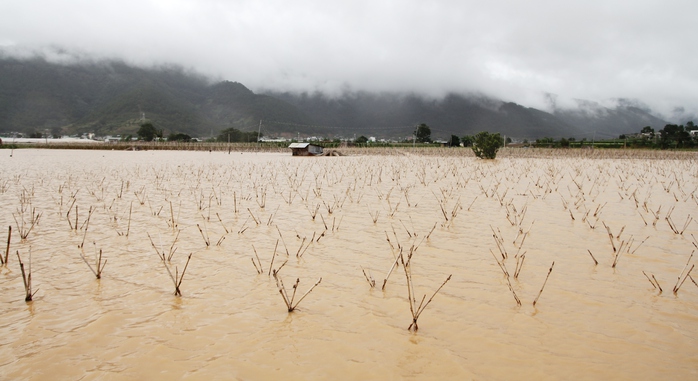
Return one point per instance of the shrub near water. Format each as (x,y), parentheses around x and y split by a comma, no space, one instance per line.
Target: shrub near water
(486,145)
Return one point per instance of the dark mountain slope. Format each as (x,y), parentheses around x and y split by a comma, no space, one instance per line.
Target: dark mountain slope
(111,97)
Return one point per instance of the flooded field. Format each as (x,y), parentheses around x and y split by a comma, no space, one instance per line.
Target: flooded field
(345,220)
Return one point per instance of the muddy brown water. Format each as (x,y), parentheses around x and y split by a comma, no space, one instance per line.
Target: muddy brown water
(590,322)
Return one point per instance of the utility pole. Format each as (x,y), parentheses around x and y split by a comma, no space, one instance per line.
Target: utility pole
(592,140)
(414,137)
(260,130)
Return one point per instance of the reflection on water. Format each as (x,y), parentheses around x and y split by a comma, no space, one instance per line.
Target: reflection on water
(591,322)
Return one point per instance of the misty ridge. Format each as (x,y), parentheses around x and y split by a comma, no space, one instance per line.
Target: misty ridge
(110,97)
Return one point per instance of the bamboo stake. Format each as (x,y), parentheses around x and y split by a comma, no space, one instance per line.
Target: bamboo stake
(546,281)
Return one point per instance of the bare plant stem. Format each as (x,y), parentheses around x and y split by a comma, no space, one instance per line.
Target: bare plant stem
(87,225)
(273,257)
(7,250)
(682,271)
(100,267)
(369,278)
(391,269)
(518,301)
(676,289)
(501,265)
(693,280)
(592,257)
(650,280)
(416,310)
(289,301)
(206,240)
(128,228)
(261,269)
(546,281)
(27,278)
(655,281)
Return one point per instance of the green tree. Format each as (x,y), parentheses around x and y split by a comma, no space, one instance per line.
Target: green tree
(423,133)
(232,134)
(674,136)
(147,132)
(361,140)
(178,137)
(467,141)
(486,145)
(454,141)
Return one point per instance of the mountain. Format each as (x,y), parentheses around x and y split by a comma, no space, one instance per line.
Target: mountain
(393,115)
(112,97)
(626,117)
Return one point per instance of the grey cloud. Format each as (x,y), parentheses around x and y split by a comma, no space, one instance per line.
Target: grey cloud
(514,50)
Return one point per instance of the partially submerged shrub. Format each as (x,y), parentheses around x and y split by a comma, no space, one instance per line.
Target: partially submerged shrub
(486,145)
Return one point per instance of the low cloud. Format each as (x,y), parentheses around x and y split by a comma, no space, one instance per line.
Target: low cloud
(516,51)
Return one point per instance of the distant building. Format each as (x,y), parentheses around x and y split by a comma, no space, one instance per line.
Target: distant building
(305,149)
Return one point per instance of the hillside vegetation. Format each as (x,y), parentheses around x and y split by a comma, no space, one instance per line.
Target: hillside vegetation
(112,97)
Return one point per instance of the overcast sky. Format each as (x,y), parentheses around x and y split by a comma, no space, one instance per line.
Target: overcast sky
(512,49)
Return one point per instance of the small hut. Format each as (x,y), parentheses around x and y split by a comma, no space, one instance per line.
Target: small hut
(305,149)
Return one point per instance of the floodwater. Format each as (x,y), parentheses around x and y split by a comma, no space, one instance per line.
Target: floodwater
(230,322)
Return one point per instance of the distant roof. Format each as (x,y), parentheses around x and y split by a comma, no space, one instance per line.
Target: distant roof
(299,145)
